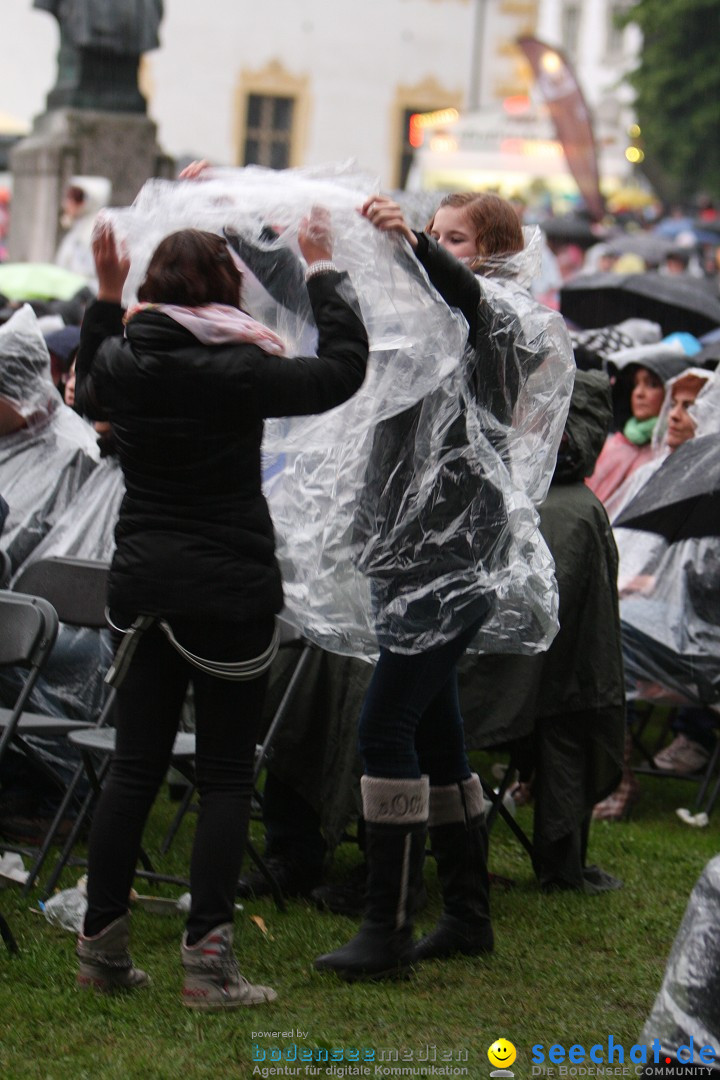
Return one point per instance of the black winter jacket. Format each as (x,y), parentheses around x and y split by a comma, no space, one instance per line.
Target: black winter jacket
(194,535)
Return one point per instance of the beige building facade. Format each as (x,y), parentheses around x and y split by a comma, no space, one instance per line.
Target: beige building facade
(303,82)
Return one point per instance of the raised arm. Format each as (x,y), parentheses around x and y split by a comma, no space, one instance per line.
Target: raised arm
(303,385)
(277,269)
(503,358)
(103,318)
(456,283)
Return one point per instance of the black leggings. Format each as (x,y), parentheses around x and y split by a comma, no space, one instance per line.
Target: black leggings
(228,716)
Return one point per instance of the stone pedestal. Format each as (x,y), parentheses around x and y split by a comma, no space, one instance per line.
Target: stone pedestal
(84,142)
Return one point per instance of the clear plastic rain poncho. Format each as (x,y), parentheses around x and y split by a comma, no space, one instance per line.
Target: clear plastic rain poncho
(44,464)
(72,681)
(670,600)
(686,1014)
(87,528)
(639,551)
(396,511)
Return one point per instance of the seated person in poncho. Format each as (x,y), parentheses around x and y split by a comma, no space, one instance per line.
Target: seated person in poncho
(46,451)
(46,454)
(639,392)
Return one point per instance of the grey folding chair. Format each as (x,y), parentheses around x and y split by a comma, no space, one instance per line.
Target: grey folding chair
(96,745)
(5,569)
(76,589)
(29,628)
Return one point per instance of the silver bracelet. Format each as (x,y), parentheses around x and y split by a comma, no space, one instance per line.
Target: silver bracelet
(319,267)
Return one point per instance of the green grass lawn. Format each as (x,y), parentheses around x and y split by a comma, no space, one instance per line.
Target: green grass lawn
(567,969)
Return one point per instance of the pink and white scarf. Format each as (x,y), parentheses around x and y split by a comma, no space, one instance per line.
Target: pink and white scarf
(218,324)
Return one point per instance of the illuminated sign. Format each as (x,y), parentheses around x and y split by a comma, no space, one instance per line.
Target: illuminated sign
(420,121)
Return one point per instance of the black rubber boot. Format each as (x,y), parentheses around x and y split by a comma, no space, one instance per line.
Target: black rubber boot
(459,842)
(395,813)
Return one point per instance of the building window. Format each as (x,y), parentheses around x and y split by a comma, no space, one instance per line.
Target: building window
(570,29)
(268,130)
(423,97)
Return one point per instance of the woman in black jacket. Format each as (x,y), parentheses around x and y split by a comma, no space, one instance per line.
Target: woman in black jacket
(423,551)
(194,577)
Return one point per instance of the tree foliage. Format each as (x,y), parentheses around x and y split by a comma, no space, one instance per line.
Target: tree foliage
(677,84)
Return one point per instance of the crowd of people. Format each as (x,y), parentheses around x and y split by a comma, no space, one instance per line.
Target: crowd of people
(135,436)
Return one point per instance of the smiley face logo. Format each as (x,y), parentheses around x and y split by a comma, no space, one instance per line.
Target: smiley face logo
(502,1054)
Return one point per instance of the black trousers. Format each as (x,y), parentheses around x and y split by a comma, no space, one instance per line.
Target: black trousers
(228,717)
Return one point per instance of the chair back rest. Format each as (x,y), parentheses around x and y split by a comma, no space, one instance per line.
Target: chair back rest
(76,588)
(28,628)
(5,569)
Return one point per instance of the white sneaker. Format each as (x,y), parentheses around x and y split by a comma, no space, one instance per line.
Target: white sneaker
(683,755)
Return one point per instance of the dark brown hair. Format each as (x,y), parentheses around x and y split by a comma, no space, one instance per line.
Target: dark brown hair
(75,194)
(191,268)
(497,226)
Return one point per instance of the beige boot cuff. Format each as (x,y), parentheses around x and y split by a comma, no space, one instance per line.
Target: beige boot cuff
(395,802)
(448,804)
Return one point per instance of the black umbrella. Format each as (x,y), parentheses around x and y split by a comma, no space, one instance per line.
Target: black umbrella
(678,303)
(649,246)
(681,501)
(570,229)
(709,356)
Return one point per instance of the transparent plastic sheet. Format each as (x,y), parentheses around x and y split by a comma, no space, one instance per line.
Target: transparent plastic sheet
(671,631)
(72,684)
(44,464)
(42,468)
(415,339)
(87,528)
(706,409)
(688,1004)
(25,381)
(421,576)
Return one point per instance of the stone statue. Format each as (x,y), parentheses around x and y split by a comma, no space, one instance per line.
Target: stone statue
(101,42)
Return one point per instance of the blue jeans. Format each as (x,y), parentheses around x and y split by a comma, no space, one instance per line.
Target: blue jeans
(410,722)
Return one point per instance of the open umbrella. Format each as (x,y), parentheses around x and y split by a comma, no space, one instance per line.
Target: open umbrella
(571,229)
(649,246)
(676,303)
(709,355)
(681,501)
(39,281)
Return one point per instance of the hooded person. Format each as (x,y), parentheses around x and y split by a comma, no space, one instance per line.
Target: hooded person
(676,424)
(46,450)
(83,198)
(568,702)
(638,395)
(46,454)
(669,592)
(652,587)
